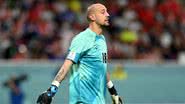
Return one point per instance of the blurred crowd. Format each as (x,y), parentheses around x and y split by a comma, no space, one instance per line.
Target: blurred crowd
(139,29)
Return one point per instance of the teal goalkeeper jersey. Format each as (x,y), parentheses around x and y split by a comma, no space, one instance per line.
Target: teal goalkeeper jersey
(88,51)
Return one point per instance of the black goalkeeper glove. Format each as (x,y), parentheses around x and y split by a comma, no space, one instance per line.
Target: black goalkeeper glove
(46,97)
(116,99)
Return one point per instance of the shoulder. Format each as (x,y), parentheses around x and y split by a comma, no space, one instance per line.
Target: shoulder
(83,41)
(84,37)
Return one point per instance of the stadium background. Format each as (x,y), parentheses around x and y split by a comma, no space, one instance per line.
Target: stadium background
(145,41)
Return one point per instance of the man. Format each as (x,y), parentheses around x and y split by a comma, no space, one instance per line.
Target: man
(87,61)
(16,93)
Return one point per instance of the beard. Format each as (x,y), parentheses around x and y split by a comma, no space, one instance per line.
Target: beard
(107,23)
(104,24)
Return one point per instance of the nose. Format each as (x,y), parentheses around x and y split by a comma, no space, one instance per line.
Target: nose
(107,14)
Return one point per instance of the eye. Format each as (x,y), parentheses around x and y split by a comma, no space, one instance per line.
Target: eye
(102,12)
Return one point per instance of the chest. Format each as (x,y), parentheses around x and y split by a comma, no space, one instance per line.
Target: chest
(99,50)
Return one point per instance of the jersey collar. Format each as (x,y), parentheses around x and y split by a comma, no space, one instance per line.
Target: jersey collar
(92,32)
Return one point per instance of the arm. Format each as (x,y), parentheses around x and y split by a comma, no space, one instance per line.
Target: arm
(62,72)
(115,97)
(46,97)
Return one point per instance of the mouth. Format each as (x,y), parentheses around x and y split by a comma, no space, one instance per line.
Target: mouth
(107,20)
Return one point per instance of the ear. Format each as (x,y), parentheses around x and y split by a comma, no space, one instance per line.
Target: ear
(92,17)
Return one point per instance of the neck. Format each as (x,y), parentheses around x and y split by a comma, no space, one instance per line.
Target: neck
(95,28)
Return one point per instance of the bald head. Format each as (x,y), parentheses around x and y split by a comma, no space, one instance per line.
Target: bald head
(93,8)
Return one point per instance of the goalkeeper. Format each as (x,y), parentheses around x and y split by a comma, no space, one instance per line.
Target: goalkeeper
(87,63)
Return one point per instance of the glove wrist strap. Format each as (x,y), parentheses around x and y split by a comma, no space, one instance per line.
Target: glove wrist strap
(52,90)
(110,84)
(56,83)
(111,88)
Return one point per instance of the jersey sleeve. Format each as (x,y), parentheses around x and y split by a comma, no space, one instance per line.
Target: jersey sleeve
(79,45)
